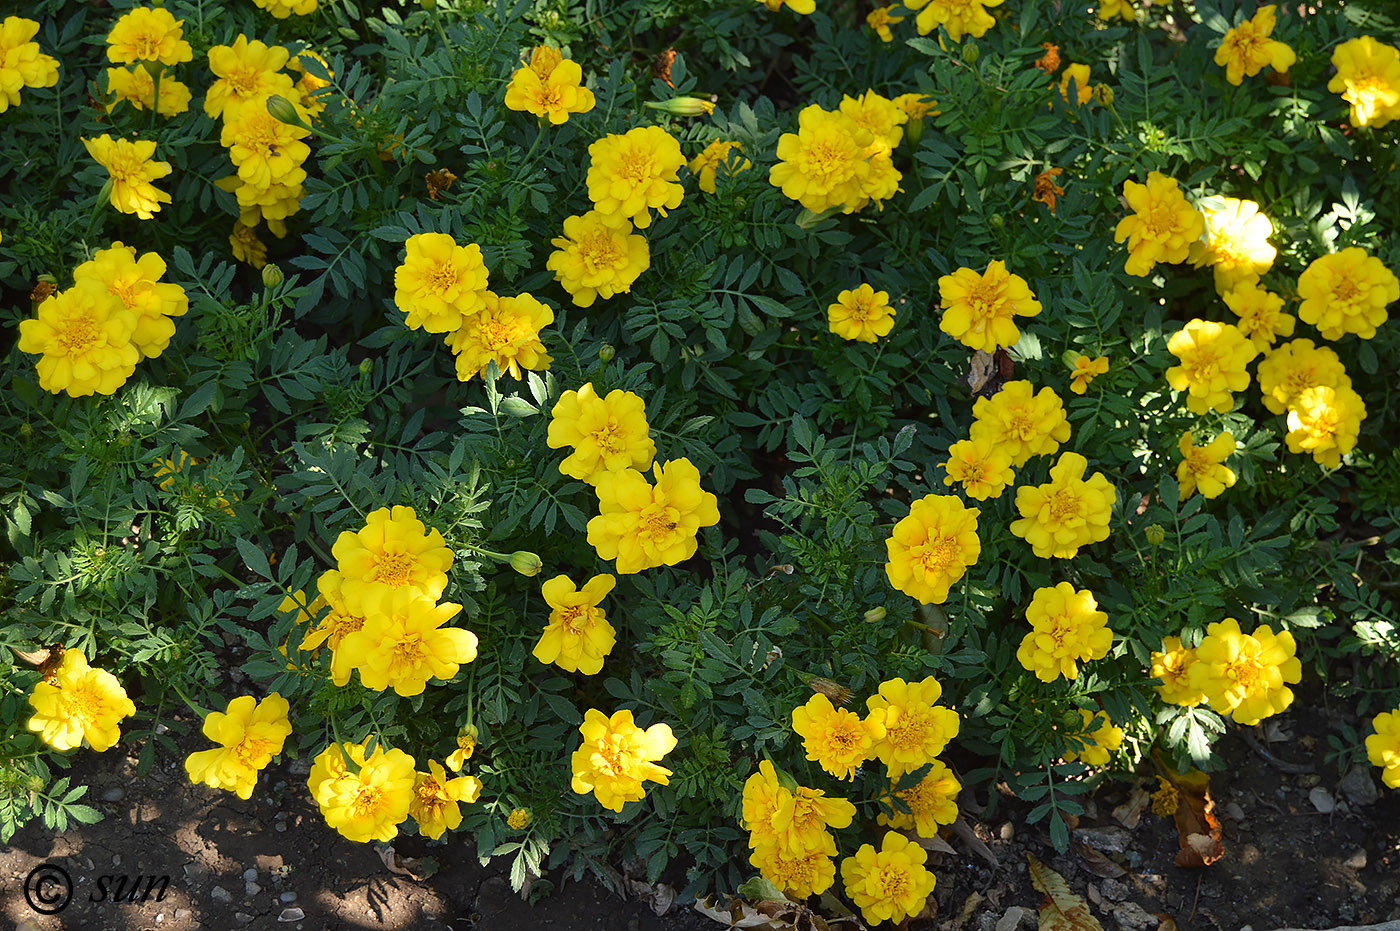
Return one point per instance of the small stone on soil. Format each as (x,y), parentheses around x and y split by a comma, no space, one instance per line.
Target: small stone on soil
(1357,861)
(250,874)
(181,914)
(113,795)
(1113,890)
(1358,786)
(1109,840)
(1234,810)
(243,918)
(1133,917)
(1322,800)
(220,894)
(251,889)
(291,914)
(288,897)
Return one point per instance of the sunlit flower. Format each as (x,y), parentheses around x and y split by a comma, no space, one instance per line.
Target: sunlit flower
(466,746)
(606,434)
(642,525)
(801,7)
(1261,314)
(1173,666)
(21,62)
(1066,629)
(1244,675)
(550,86)
(1325,421)
(804,816)
(933,801)
(1346,292)
(981,465)
(1067,512)
(1213,359)
(910,729)
(630,175)
(833,737)
(1202,468)
(1085,371)
(1162,227)
(705,166)
(394,549)
(801,873)
(246,71)
(890,884)
(1368,78)
(617,757)
(762,795)
(148,34)
(861,314)
(250,733)
(1247,48)
(436,804)
(82,703)
(505,331)
(578,636)
(1097,744)
(930,548)
(957,17)
(823,165)
(136,283)
(84,337)
(337,623)
(1383,747)
(132,167)
(368,803)
(403,642)
(1021,422)
(980,309)
(594,259)
(1120,8)
(1236,242)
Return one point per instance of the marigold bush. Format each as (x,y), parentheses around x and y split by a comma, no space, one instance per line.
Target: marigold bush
(667,459)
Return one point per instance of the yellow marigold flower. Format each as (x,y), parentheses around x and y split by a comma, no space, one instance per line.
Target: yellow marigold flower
(265,150)
(800,874)
(1083,90)
(1173,666)
(1085,371)
(881,19)
(931,548)
(958,17)
(84,337)
(505,331)
(643,526)
(273,204)
(439,283)
(762,795)
(917,105)
(246,71)
(1203,468)
(436,799)
(549,87)
(880,116)
(980,310)
(1296,366)
(308,84)
(578,636)
(1346,292)
(1383,747)
(1261,315)
(861,314)
(403,643)
(594,259)
(981,465)
(803,817)
(281,9)
(823,165)
(881,181)
(519,819)
(1067,512)
(337,623)
(86,704)
(132,169)
(1122,8)
(393,550)
(631,174)
(833,737)
(1162,227)
(368,804)
(1236,242)
(148,34)
(892,883)
(21,62)
(136,283)
(1020,423)
(1066,629)
(705,166)
(1368,78)
(249,733)
(606,434)
(1098,744)
(932,802)
(246,246)
(1213,358)
(1243,675)
(1325,421)
(136,86)
(617,756)
(1247,48)
(466,746)
(801,7)
(910,730)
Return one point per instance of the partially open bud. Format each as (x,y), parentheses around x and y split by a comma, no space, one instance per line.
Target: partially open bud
(1154,534)
(284,111)
(683,106)
(366,366)
(606,352)
(272,275)
(526,563)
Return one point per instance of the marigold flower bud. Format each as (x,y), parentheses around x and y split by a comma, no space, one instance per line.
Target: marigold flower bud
(1155,534)
(683,106)
(272,275)
(366,366)
(875,615)
(282,110)
(526,563)
(971,53)
(606,352)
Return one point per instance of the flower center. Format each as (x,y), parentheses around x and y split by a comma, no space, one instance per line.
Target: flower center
(146,45)
(573,618)
(658,523)
(1065,504)
(409,651)
(635,164)
(910,729)
(78,334)
(1245,669)
(367,801)
(615,754)
(244,82)
(442,279)
(1345,290)
(393,570)
(1205,366)
(499,333)
(601,251)
(828,157)
(253,751)
(893,883)
(936,556)
(126,166)
(608,438)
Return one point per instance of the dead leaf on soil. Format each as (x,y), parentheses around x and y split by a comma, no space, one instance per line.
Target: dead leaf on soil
(1165,922)
(1130,812)
(1097,863)
(973,900)
(660,896)
(1063,910)
(769,915)
(415,868)
(1196,823)
(981,370)
(935,844)
(969,836)
(1011,920)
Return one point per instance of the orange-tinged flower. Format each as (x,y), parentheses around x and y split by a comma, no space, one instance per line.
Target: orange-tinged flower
(1046,190)
(1050,61)
(436,804)
(930,549)
(910,729)
(132,167)
(617,757)
(1066,629)
(505,331)
(250,734)
(833,737)
(85,703)
(980,309)
(1247,48)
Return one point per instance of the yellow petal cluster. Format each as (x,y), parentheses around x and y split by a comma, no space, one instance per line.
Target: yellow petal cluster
(439,283)
(505,331)
(403,642)
(394,549)
(1067,512)
(1261,314)
(981,465)
(642,525)
(890,884)
(861,314)
(1202,468)
(1173,666)
(1247,48)
(1020,422)
(367,800)
(1296,366)
(549,86)
(1097,744)
(249,733)
(833,161)
(705,166)
(148,34)
(578,637)
(136,283)
(1368,78)
(910,729)
(1236,242)
(1162,227)
(630,175)
(1085,371)
(1325,421)
(1213,360)
(933,801)
(957,17)
(1346,292)
(81,703)
(836,739)
(980,310)
(596,259)
(789,830)
(607,434)
(1383,747)
(931,547)
(881,19)
(1066,629)
(617,757)
(21,62)
(281,9)
(136,86)
(132,168)
(437,800)
(1245,675)
(83,336)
